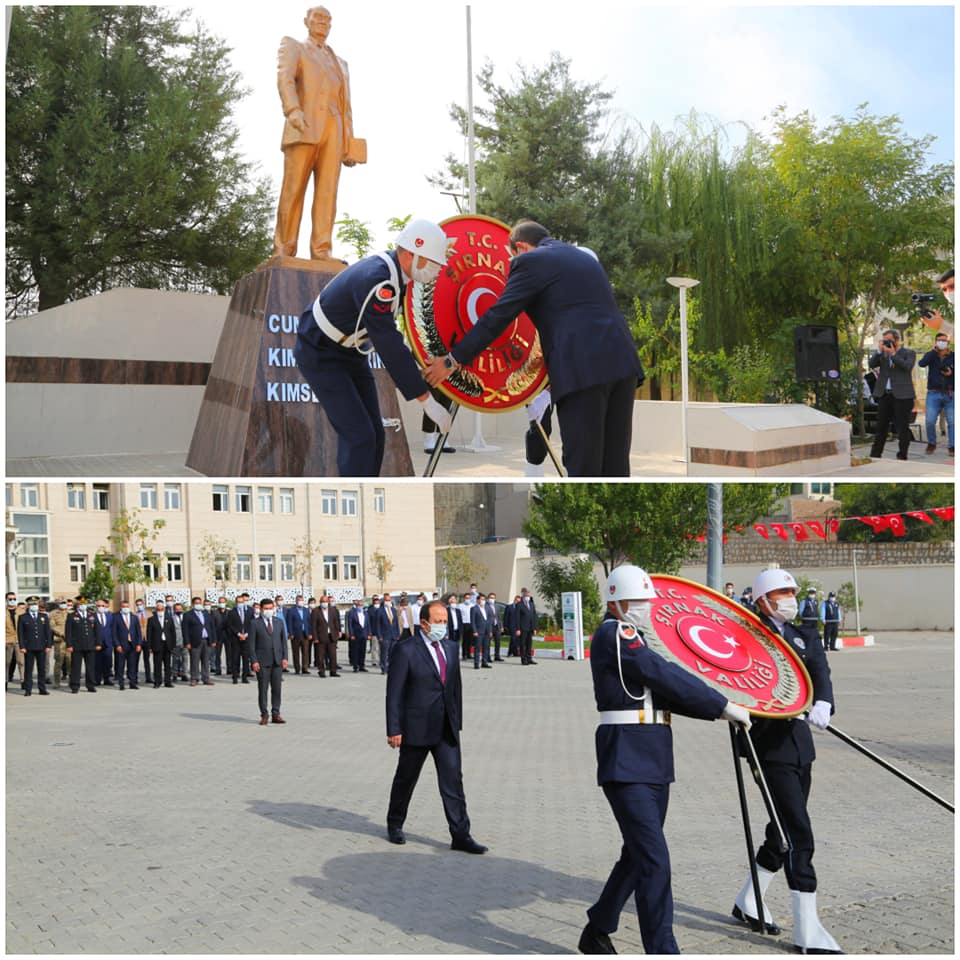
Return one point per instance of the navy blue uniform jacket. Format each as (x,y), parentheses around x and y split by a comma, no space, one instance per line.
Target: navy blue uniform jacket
(341,300)
(419,706)
(790,741)
(33,632)
(354,630)
(568,297)
(641,753)
(124,638)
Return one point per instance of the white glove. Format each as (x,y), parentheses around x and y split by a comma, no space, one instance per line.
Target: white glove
(437,413)
(736,714)
(538,406)
(819,714)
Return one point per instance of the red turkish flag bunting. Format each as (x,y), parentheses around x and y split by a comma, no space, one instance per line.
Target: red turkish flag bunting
(780,531)
(944,513)
(817,527)
(762,530)
(878,523)
(897,525)
(833,524)
(919,515)
(799,530)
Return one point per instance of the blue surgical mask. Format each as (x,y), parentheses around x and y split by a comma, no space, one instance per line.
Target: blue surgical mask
(438,631)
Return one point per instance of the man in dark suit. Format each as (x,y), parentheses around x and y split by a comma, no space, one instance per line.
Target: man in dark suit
(786,754)
(237,623)
(589,353)
(162,638)
(524,626)
(466,626)
(388,630)
(218,614)
(454,621)
(297,619)
(127,644)
(496,627)
(424,711)
(81,641)
(268,656)
(35,639)
(199,640)
(358,633)
(893,391)
(635,690)
(325,625)
(480,623)
(509,626)
(103,629)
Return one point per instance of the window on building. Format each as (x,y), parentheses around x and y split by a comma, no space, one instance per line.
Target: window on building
(221,498)
(796,490)
(150,570)
(101,496)
(78,568)
(265,568)
(288,565)
(379,500)
(351,568)
(33,558)
(9,494)
(76,496)
(330,568)
(221,568)
(348,503)
(175,567)
(244,567)
(264,499)
(286,499)
(244,499)
(171,496)
(328,503)
(821,489)
(29,495)
(148,496)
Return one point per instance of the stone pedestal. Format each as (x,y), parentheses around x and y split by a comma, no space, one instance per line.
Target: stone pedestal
(259,417)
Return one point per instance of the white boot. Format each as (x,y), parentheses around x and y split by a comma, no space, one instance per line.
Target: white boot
(533,469)
(808,933)
(745,906)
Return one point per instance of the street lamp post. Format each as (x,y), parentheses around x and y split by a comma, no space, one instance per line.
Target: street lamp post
(684,284)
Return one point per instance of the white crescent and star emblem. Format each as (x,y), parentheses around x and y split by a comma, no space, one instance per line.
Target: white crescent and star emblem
(475,295)
(723,654)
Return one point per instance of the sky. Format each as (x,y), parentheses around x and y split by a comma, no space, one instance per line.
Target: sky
(408,64)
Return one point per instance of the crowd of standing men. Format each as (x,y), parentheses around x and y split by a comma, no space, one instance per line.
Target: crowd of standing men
(173,642)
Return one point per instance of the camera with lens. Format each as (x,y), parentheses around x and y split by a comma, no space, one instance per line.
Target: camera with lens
(889,344)
(919,299)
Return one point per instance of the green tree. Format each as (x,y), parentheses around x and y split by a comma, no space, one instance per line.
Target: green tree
(98,584)
(305,552)
(218,556)
(649,524)
(848,600)
(132,549)
(122,166)
(380,566)
(458,568)
(555,577)
(355,233)
(873,499)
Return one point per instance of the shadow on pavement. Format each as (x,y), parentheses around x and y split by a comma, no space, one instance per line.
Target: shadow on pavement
(223,718)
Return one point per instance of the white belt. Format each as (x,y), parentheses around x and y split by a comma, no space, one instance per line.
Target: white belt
(348,340)
(635,716)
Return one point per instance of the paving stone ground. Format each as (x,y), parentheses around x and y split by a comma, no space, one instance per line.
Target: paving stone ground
(169,821)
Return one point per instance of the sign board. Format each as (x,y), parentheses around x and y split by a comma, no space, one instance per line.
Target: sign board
(572,609)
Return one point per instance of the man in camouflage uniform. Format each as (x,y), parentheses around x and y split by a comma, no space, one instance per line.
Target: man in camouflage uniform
(58,626)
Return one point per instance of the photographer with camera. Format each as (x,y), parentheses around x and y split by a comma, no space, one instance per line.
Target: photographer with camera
(933,317)
(893,392)
(940,366)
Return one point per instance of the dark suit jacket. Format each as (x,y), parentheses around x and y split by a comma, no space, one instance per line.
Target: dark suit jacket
(193,628)
(419,706)
(299,627)
(103,634)
(235,625)
(384,629)
(157,638)
(525,617)
(354,630)
(267,650)
(493,618)
(123,637)
(479,622)
(81,631)
(454,630)
(33,633)
(322,630)
(901,381)
(567,295)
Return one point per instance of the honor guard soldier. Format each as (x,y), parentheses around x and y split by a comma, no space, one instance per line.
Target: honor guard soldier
(786,753)
(82,645)
(636,690)
(35,639)
(354,315)
(810,611)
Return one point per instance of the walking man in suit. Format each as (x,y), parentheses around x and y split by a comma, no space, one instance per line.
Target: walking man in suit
(35,639)
(424,716)
(589,353)
(358,633)
(297,619)
(238,622)
(893,392)
(200,639)
(480,622)
(162,638)
(325,625)
(388,631)
(127,644)
(268,656)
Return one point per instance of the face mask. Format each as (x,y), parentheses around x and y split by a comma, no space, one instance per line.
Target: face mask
(376,606)
(206,608)
(82,608)
(426,274)
(33,608)
(124,609)
(942,344)
(438,631)
(324,605)
(11,603)
(638,614)
(266,614)
(312,606)
(222,606)
(784,610)
(949,295)
(139,608)
(197,607)
(299,603)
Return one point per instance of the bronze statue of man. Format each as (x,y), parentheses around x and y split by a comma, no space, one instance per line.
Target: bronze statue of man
(317,137)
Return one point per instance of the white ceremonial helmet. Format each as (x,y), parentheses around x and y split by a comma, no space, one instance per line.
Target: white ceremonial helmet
(628,582)
(773,579)
(425,239)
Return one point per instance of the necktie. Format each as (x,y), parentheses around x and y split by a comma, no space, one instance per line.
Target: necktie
(389,615)
(441,659)
(270,626)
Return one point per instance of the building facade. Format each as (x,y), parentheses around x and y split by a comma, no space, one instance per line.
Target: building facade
(222,538)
